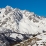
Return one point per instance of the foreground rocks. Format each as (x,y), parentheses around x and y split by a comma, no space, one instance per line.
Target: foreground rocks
(34,40)
(39,40)
(9,38)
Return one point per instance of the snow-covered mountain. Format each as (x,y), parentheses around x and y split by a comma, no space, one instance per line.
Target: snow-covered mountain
(21,21)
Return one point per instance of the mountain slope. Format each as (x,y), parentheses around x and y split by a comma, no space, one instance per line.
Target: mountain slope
(21,20)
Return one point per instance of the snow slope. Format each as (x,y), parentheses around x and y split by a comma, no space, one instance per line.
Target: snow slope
(21,21)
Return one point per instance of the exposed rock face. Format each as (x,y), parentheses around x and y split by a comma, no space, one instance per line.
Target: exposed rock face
(3,41)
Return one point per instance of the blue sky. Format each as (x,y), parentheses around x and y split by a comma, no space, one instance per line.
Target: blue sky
(36,6)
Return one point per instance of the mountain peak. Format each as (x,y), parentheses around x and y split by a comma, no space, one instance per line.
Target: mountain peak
(22,21)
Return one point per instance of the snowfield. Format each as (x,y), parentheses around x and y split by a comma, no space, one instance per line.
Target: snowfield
(21,21)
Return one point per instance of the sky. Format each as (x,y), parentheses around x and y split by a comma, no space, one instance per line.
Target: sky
(36,6)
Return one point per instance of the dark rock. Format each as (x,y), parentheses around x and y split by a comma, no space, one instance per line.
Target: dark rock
(3,41)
